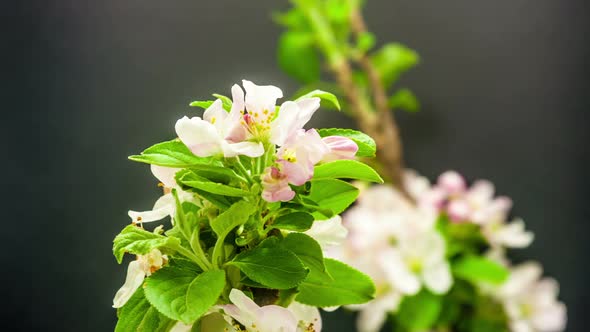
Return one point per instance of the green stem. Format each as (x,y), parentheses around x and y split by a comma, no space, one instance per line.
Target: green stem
(243,170)
(188,254)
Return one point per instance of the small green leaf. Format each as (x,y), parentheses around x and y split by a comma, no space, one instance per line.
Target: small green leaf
(225,101)
(296,221)
(170,154)
(349,286)
(273,267)
(392,60)
(307,250)
(194,181)
(202,104)
(135,240)
(404,99)
(332,194)
(139,316)
(181,293)
(297,56)
(480,269)
(324,96)
(366,144)
(346,169)
(419,312)
(236,215)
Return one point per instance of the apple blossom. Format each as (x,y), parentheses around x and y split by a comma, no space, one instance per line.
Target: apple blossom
(137,270)
(276,186)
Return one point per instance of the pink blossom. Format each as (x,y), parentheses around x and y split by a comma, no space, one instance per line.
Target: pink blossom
(299,154)
(276,186)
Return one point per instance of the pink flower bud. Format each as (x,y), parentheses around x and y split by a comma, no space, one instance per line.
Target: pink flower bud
(458,210)
(276,186)
(340,148)
(452,182)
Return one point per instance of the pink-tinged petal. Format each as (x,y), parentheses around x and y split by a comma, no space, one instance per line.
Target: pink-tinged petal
(551,318)
(459,210)
(163,207)
(200,136)
(260,98)
(339,148)
(438,278)
(135,277)
(165,175)
(238,103)
(297,172)
(250,149)
(480,193)
(452,182)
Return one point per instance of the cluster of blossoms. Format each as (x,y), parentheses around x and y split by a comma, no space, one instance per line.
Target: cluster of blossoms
(250,220)
(408,246)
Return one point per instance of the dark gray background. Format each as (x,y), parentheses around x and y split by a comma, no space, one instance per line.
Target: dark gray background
(503,86)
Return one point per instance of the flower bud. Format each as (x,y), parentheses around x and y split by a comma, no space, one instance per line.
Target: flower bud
(340,148)
(452,182)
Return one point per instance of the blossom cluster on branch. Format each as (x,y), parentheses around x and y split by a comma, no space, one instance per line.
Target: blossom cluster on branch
(441,263)
(254,199)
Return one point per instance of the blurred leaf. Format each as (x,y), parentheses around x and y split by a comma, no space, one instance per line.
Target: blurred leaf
(292,19)
(365,41)
(392,60)
(338,11)
(298,57)
(404,99)
(419,312)
(477,269)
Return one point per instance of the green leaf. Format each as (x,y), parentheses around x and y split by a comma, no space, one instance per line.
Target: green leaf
(181,293)
(273,267)
(170,154)
(404,99)
(419,312)
(236,215)
(297,56)
(480,269)
(292,19)
(135,240)
(365,41)
(324,96)
(225,101)
(307,250)
(349,286)
(139,316)
(366,144)
(346,169)
(334,195)
(392,60)
(202,104)
(192,180)
(296,221)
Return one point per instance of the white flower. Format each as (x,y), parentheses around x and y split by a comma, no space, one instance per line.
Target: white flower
(418,261)
(272,318)
(137,270)
(374,314)
(508,235)
(530,302)
(215,134)
(165,205)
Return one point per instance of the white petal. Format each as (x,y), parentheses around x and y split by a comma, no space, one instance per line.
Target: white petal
(370,320)
(398,273)
(552,318)
(165,174)
(261,97)
(237,95)
(285,125)
(250,149)
(438,278)
(181,327)
(513,235)
(328,232)
(520,280)
(135,276)
(307,108)
(215,114)
(200,136)
(308,317)
(520,326)
(273,318)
